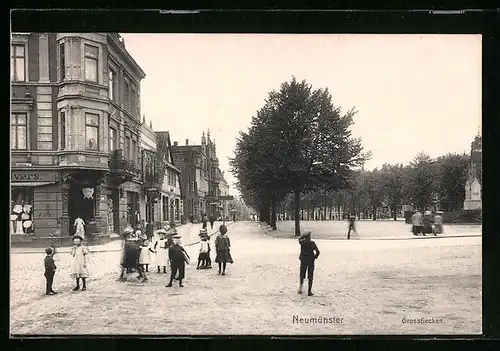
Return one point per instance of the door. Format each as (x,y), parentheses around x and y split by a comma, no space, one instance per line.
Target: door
(78,206)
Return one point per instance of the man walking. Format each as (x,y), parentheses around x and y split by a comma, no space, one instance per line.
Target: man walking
(352,221)
(309,252)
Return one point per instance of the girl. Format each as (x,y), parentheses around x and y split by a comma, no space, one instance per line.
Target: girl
(222,245)
(161,251)
(79,265)
(145,256)
(79,227)
(202,257)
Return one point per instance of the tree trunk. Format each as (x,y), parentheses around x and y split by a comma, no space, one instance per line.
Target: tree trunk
(273,214)
(324,213)
(297,213)
(395,213)
(374,213)
(262,215)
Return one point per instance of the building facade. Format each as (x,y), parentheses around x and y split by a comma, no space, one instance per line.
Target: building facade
(223,191)
(473,188)
(74,133)
(200,176)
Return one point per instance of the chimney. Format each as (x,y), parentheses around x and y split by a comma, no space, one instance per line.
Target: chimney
(176,143)
(187,141)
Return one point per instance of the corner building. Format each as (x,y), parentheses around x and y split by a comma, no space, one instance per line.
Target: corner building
(74,133)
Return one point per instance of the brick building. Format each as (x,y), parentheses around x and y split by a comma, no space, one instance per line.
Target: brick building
(75,130)
(200,176)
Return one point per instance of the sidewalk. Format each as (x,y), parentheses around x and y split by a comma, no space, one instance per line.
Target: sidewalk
(189,236)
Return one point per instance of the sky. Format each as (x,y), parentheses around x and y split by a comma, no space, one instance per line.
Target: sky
(413,93)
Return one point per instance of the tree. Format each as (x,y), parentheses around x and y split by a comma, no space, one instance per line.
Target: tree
(422,180)
(298,142)
(372,186)
(452,170)
(393,177)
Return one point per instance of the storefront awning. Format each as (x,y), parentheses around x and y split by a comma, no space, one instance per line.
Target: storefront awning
(31,183)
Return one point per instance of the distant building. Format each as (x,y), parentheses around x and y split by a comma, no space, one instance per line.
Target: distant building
(473,188)
(224,191)
(200,176)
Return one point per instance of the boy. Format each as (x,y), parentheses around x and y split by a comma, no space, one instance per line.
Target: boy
(50,270)
(177,254)
(202,257)
(308,254)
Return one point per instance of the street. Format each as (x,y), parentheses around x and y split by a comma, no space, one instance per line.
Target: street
(363,286)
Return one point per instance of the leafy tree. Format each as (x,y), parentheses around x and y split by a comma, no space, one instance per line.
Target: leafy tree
(423,179)
(452,170)
(393,177)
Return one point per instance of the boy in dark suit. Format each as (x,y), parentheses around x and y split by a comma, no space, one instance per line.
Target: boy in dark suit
(309,252)
(177,256)
(50,270)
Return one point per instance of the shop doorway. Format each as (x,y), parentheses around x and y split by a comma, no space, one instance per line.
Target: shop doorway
(132,207)
(79,206)
(115,197)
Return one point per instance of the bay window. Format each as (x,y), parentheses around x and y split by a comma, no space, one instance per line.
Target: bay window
(91,54)
(91,131)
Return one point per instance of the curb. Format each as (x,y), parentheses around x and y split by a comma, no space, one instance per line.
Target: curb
(109,250)
(387,238)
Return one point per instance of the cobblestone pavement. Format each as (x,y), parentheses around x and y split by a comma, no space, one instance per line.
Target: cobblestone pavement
(366,286)
(367,229)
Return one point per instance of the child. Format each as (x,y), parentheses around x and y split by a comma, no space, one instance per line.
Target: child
(352,226)
(145,256)
(178,257)
(79,264)
(161,251)
(202,257)
(131,252)
(222,245)
(308,254)
(208,264)
(50,270)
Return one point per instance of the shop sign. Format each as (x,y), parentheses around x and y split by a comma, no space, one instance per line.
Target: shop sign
(33,176)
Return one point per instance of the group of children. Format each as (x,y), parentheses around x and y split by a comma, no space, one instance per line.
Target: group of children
(136,256)
(79,271)
(427,223)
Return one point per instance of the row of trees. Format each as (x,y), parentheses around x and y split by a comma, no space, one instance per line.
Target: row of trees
(423,183)
(298,143)
(299,153)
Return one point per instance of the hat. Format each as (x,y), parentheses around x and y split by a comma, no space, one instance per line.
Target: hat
(128,230)
(138,232)
(306,234)
(176,236)
(161,231)
(439,212)
(49,251)
(77,237)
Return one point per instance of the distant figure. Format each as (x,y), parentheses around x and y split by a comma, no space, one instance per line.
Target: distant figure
(352,226)
(417,223)
(309,252)
(438,223)
(191,218)
(212,221)
(149,230)
(79,227)
(204,220)
(427,223)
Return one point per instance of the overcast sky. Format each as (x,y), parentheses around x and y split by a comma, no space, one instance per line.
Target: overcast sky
(413,92)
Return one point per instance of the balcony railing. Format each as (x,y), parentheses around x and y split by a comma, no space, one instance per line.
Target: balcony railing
(122,165)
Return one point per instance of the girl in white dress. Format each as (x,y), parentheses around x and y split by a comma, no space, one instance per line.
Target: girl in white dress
(79,255)
(160,249)
(79,228)
(145,255)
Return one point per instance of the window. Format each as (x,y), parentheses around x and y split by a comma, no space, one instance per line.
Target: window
(91,131)
(18,131)
(18,63)
(22,210)
(133,101)
(133,151)
(112,84)
(126,102)
(91,60)
(112,139)
(63,130)
(62,61)
(127,147)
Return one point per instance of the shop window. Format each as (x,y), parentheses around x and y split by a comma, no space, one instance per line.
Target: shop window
(91,63)
(91,131)
(18,131)
(18,63)
(21,218)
